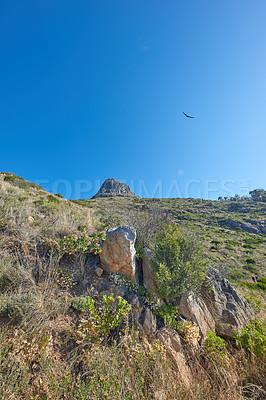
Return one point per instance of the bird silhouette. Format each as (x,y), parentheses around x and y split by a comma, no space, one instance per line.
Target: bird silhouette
(188,116)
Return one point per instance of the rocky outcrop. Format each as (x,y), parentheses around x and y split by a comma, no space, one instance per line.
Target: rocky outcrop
(112,187)
(171,341)
(149,322)
(246,227)
(118,253)
(218,307)
(194,309)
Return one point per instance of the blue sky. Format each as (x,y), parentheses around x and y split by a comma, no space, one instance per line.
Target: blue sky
(96,89)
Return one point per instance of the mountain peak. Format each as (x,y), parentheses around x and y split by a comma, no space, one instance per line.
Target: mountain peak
(112,187)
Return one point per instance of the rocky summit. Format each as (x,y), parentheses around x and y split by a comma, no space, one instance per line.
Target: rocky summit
(112,187)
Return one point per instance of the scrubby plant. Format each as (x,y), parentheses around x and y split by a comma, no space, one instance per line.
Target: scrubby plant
(86,240)
(213,343)
(178,263)
(16,306)
(251,269)
(121,279)
(252,338)
(95,327)
(189,331)
(214,349)
(250,261)
(169,313)
(261,284)
(52,199)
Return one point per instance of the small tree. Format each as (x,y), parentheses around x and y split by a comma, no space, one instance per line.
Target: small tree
(258,195)
(178,263)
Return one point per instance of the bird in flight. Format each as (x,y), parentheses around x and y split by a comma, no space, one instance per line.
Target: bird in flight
(188,116)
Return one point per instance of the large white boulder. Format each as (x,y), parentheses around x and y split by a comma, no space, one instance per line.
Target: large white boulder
(118,253)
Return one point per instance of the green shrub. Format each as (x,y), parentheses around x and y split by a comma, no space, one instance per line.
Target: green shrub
(252,338)
(250,261)
(229,247)
(249,252)
(248,246)
(214,348)
(95,328)
(233,242)
(178,263)
(16,306)
(52,199)
(86,240)
(261,286)
(19,182)
(254,240)
(9,178)
(213,343)
(251,269)
(254,286)
(169,313)
(254,302)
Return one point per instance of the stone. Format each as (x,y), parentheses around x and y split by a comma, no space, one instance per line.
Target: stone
(171,341)
(137,307)
(149,322)
(246,227)
(226,305)
(98,271)
(218,307)
(118,253)
(112,187)
(194,309)
(148,272)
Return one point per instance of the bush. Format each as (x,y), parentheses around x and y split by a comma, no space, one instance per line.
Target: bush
(169,313)
(86,240)
(252,338)
(95,328)
(16,306)
(250,261)
(52,199)
(214,349)
(178,263)
(251,269)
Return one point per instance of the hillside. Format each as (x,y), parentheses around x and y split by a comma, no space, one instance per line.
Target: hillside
(70,330)
(239,253)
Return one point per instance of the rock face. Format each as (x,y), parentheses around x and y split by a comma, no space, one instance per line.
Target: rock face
(219,307)
(118,252)
(230,223)
(112,187)
(149,322)
(194,309)
(172,343)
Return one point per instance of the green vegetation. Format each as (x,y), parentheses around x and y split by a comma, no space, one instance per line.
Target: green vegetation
(252,338)
(95,328)
(178,263)
(67,334)
(215,348)
(86,240)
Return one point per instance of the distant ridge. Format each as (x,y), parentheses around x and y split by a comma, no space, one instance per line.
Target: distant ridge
(112,187)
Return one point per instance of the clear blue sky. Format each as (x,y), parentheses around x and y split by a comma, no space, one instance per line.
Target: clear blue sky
(96,89)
